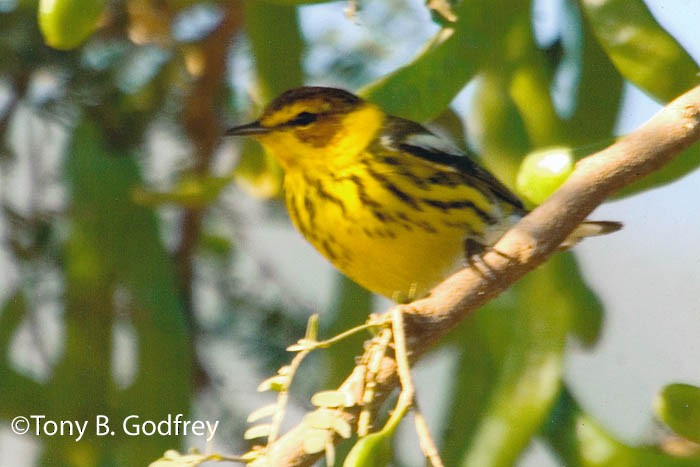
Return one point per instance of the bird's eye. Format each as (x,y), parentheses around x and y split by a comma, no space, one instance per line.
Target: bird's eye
(304,118)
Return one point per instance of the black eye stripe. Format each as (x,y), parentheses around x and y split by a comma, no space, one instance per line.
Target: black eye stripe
(303,118)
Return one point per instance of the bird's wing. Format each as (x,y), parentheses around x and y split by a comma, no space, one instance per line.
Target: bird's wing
(418,141)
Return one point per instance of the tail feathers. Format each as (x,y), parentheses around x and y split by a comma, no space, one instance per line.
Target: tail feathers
(590,229)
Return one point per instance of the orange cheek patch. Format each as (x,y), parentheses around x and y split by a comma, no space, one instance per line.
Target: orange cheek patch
(321,133)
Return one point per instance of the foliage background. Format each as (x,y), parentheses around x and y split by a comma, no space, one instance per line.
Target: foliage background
(141,275)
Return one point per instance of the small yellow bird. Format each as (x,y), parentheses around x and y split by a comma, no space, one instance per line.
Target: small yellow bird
(390,204)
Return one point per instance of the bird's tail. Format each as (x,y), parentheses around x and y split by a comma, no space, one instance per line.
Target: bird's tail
(590,229)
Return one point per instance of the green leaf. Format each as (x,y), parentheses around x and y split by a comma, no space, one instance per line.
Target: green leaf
(528,377)
(529,85)
(277,46)
(193,191)
(11,315)
(20,392)
(273,31)
(65,24)
(579,441)
(510,364)
(296,2)
(481,342)
(114,249)
(495,114)
(597,97)
(678,406)
(598,106)
(422,89)
(585,306)
(643,52)
(640,48)
(510,370)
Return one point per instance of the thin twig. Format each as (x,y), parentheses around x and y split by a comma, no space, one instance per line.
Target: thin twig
(427,444)
(408,391)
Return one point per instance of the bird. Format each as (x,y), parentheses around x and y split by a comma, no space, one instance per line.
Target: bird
(390,204)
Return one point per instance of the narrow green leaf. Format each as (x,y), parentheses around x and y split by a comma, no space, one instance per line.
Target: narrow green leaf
(481,343)
(296,2)
(597,97)
(193,191)
(643,52)
(494,115)
(530,87)
(529,375)
(422,89)
(640,47)
(12,313)
(113,244)
(277,46)
(579,441)
(21,393)
(273,31)
(510,366)
(586,308)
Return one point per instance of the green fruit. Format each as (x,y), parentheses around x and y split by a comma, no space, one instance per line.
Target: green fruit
(65,24)
(678,406)
(543,171)
(373,450)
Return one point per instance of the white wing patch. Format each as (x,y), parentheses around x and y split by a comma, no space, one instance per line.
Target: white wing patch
(432,143)
(388,142)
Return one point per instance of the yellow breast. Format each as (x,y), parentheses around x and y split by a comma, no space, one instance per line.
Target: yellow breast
(380,228)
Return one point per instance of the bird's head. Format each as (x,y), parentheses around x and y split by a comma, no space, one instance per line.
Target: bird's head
(314,125)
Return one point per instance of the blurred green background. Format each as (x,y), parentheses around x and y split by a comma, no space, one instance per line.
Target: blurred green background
(147,265)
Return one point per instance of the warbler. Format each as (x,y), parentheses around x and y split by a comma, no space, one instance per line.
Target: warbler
(390,204)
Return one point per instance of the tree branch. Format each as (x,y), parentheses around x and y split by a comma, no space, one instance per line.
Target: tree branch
(527,245)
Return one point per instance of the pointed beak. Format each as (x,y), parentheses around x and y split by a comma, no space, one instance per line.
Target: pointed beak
(250,129)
